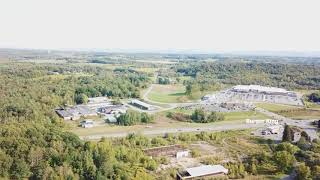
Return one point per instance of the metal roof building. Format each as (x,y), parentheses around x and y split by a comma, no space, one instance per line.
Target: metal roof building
(258,88)
(202,171)
(140,104)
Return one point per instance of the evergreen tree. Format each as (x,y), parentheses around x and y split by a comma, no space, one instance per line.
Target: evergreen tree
(288,134)
(198,116)
(253,167)
(306,136)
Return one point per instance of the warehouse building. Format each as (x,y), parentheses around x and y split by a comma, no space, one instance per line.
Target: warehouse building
(74,113)
(263,90)
(201,172)
(141,105)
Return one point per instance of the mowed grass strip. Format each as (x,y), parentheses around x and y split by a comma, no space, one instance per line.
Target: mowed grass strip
(167,93)
(232,116)
(301,114)
(276,107)
(294,112)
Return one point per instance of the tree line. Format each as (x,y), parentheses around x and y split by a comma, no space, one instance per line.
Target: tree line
(290,76)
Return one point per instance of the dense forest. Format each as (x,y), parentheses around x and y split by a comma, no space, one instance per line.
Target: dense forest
(33,141)
(290,76)
(31,92)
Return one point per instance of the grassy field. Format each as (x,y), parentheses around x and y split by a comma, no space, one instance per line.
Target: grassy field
(168,93)
(146,70)
(302,114)
(231,116)
(293,112)
(276,107)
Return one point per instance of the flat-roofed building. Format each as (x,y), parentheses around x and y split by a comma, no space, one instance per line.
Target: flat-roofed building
(74,113)
(262,89)
(202,172)
(140,104)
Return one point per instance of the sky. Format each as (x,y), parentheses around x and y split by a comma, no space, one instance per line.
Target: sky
(208,25)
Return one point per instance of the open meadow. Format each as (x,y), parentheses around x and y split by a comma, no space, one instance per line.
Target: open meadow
(168,93)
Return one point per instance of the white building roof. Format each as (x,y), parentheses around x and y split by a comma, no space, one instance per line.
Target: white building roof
(259,88)
(206,170)
(111,118)
(136,101)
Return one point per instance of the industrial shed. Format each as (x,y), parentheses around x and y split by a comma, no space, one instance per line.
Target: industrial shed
(200,172)
(140,104)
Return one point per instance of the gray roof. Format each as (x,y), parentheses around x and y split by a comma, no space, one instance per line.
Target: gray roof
(64,113)
(111,118)
(206,170)
(136,101)
(76,111)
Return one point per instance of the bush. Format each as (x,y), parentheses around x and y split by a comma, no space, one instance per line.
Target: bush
(195,153)
(303,172)
(81,99)
(200,116)
(132,117)
(284,160)
(178,116)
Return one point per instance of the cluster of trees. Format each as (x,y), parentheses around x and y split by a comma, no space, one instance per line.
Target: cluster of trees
(197,116)
(314,97)
(133,117)
(179,116)
(29,93)
(290,76)
(200,116)
(120,83)
(33,141)
(301,157)
(36,151)
(163,80)
(201,83)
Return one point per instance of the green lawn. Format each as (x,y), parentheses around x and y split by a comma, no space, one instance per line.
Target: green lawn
(294,112)
(168,93)
(231,116)
(276,107)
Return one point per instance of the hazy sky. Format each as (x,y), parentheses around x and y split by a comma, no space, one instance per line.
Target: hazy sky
(223,25)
